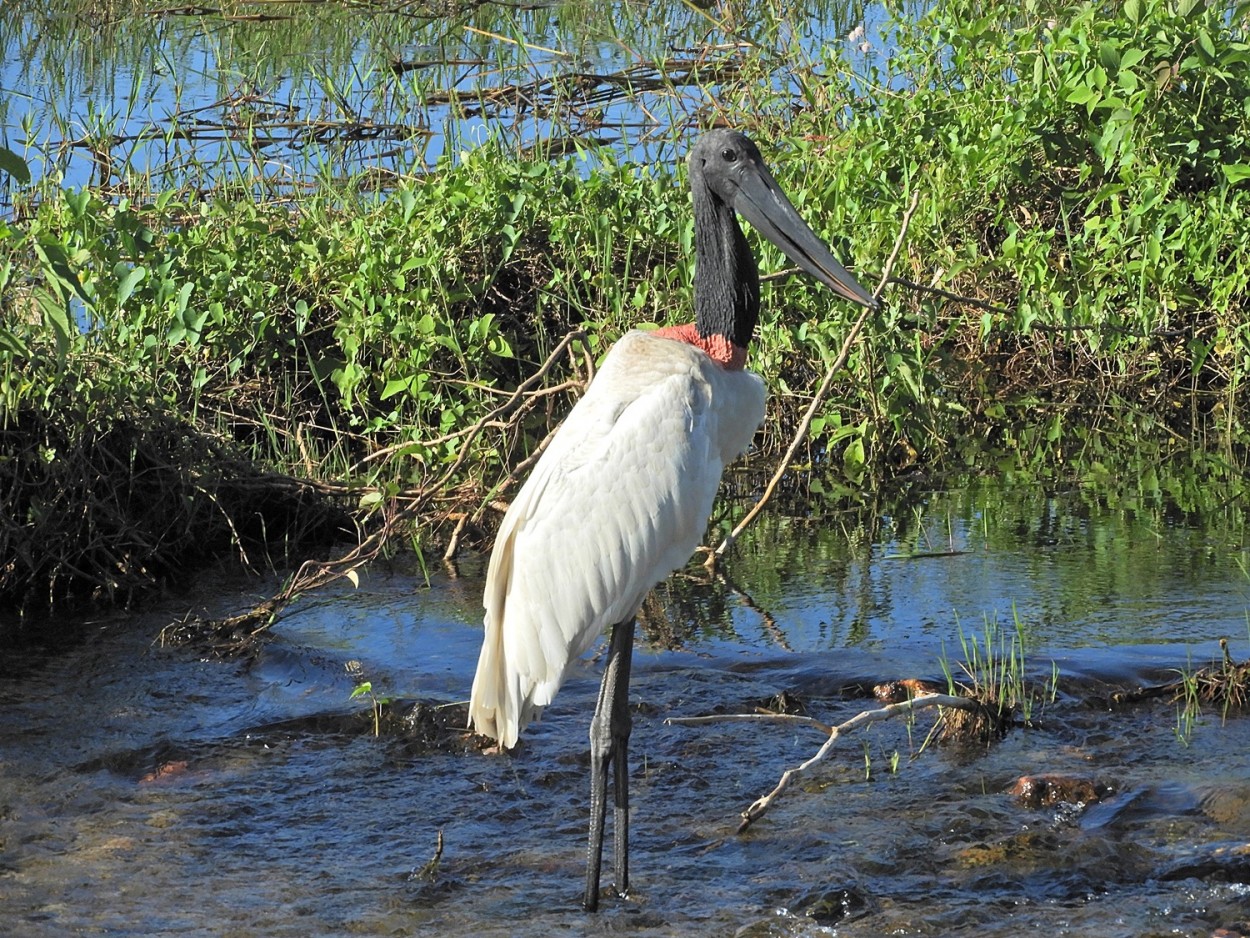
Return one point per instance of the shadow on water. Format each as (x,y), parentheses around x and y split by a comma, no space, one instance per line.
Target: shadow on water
(147,791)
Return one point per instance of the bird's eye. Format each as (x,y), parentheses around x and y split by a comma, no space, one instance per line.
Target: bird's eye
(729,155)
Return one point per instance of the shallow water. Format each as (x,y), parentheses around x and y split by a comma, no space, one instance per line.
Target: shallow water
(144,791)
(313,89)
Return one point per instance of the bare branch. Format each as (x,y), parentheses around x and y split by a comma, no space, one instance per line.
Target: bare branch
(865,718)
(235,632)
(800,433)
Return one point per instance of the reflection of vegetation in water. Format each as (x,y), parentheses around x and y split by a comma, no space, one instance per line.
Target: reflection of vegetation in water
(285,92)
(1080,543)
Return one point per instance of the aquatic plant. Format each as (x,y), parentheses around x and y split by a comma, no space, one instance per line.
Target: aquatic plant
(993,672)
(364,688)
(1224,683)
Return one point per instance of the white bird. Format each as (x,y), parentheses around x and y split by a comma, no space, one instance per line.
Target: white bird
(622,495)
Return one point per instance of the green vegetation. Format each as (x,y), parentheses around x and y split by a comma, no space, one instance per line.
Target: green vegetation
(1224,683)
(1084,174)
(993,673)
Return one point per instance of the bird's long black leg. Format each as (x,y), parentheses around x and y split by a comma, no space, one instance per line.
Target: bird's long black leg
(609,746)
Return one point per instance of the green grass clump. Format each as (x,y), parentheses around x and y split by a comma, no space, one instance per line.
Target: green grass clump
(993,673)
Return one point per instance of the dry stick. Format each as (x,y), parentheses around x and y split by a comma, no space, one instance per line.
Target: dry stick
(314,573)
(511,402)
(865,718)
(800,434)
(948,295)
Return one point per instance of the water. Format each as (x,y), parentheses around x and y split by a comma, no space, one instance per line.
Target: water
(148,791)
(314,91)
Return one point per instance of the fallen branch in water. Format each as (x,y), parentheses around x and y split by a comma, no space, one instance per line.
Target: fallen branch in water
(865,718)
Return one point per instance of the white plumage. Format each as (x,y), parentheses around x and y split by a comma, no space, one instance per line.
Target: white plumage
(634,471)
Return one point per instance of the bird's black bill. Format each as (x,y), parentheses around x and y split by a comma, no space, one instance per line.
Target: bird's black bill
(761,202)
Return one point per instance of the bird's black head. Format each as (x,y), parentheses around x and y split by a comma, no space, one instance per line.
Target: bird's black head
(727,173)
(720,159)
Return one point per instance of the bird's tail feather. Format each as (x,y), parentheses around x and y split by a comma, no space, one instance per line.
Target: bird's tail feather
(502,702)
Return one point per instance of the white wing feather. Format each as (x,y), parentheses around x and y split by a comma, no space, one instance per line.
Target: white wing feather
(619,500)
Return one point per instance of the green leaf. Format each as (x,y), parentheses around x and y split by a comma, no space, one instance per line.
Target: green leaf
(1081,94)
(409,204)
(1109,55)
(1132,10)
(395,386)
(1010,246)
(184,295)
(1206,44)
(12,344)
(853,455)
(14,165)
(1236,172)
(57,267)
(126,287)
(56,317)
(195,320)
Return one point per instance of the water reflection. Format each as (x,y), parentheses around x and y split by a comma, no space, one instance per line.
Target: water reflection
(303,91)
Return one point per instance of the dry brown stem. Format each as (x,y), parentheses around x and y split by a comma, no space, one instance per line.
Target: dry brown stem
(800,432)
(865,718)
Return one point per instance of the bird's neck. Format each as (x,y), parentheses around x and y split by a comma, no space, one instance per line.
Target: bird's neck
(726,280)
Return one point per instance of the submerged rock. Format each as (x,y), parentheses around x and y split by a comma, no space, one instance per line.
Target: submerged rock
(1044,791)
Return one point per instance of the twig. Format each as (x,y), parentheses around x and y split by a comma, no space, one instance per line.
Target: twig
(453,543)
(865,718)
(430,870)
(237,632)
(524,45)
(503,410)
(947,294)
(800,433)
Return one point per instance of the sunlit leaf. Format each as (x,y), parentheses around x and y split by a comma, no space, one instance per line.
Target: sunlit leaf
(126,286)
(1236,172)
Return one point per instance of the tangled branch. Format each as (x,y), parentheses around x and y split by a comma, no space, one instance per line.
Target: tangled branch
(865,718)
(235,633)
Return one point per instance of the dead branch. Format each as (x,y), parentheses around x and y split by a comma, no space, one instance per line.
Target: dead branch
(236,633)
(865,718)
(948,295)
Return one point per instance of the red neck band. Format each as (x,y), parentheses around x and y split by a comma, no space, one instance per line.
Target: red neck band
(716,347)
